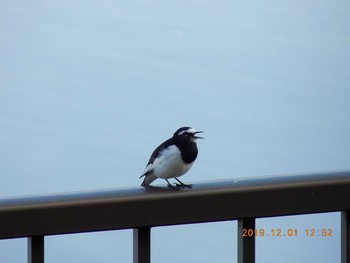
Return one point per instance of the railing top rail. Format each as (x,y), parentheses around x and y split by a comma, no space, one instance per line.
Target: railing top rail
(158,206)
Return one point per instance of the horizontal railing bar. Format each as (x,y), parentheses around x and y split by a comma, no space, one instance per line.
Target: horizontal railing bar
(158,206)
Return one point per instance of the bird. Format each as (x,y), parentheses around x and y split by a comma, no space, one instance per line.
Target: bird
(173,158)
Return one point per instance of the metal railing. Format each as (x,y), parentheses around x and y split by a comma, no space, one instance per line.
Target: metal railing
(138,208)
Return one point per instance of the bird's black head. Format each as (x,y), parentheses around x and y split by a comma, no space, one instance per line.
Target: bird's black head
(187,134)
(185,139)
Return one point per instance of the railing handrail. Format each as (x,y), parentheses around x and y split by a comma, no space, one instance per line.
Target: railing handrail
(136,207)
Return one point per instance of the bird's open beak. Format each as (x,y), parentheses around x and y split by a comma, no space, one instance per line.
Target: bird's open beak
(198,137)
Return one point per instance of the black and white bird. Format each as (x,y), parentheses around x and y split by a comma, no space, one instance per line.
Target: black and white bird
(173,158)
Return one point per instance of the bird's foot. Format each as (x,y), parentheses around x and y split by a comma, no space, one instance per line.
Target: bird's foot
(183,185)
(173,187)
(170,186)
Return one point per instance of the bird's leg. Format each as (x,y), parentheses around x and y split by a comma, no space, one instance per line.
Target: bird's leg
(170,186)
(182,184)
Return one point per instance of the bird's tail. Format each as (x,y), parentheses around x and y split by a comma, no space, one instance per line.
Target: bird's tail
(149,178)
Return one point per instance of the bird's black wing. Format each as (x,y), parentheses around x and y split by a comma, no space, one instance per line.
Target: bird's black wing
(160,148)
(154,156)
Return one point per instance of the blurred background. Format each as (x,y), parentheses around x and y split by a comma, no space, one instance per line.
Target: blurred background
(88,89)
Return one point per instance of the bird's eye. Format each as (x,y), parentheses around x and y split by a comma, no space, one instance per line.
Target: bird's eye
(187,134)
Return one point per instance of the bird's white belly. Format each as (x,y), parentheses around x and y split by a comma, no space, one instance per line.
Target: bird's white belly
(170,164)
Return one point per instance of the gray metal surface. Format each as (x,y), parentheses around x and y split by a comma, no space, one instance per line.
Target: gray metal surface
(158,206)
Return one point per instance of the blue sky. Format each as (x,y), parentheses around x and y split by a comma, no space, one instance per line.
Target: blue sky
(89,88)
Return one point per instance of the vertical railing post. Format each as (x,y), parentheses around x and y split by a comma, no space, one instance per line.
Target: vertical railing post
(246,240)
(345,236)
(142,245)
(36,249)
